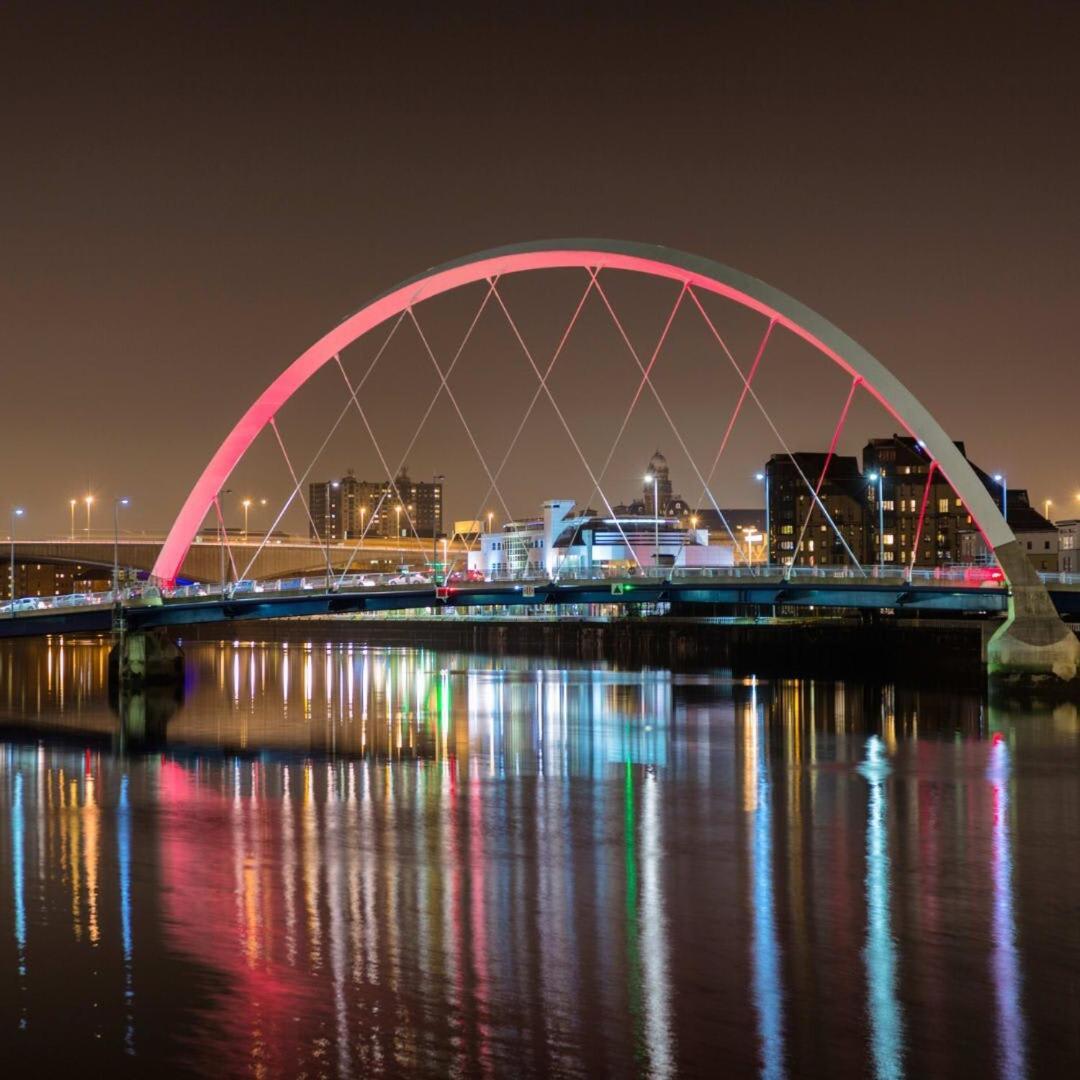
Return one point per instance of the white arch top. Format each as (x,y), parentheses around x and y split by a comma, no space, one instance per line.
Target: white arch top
(649,259)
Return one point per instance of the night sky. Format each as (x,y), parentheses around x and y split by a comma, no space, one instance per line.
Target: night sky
(192,195)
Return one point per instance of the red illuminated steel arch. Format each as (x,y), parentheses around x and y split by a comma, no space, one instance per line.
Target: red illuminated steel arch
(648,259)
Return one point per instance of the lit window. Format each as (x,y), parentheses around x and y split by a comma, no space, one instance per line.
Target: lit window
(943,506)
(888,538)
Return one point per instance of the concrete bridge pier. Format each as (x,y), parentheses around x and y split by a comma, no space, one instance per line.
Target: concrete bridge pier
(1033,646)
(144,658)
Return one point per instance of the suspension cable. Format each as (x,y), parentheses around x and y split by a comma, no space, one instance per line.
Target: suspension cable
(565,425)
(922,518)
(420,426)
(824,469)
(318,453)
(461,416)
(645,373)
(307,509)
(776,431)
(225,535)
(622,428)
(536,395)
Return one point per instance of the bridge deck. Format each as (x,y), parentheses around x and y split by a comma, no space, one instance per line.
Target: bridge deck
(311,597)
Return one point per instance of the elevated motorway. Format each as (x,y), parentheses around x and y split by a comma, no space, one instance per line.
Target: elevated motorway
(277,558)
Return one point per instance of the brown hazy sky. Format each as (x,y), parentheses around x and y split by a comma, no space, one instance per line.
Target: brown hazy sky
(191,194)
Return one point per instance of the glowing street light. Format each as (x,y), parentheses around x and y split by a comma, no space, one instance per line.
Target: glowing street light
(879,479)
(89,500)
(246,504)
(71,506)
(763,477)
(1047,503)
(117,503)
(1000,479)
(16,513)
(656,515)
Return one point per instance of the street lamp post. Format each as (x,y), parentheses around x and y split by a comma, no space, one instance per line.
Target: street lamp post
(16,513)
(397,529)
(764,477)
(89,500)
(71,506)
(1047,503)
(247,506)
(436,480)
(879,478)
(1004,495)
(117,503)
(656,516)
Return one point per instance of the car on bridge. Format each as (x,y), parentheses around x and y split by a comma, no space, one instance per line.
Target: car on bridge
(410,578)
(24,603)
(457,577)
(76,599)
(242,587)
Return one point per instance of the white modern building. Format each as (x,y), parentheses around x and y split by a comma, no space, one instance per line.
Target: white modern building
(1069,546)
(564,543)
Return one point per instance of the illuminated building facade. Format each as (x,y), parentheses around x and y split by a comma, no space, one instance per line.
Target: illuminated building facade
(349,508)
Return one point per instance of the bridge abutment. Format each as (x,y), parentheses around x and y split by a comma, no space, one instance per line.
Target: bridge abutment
(1033,645)
(145,658)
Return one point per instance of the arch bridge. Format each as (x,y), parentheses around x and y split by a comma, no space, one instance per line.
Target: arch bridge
(1032,639)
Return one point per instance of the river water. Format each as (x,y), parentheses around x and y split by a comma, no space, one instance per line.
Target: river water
(332,860)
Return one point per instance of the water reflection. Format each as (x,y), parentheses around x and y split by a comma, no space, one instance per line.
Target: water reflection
(1006,961)
(379,862)
(879,954)
(757,800)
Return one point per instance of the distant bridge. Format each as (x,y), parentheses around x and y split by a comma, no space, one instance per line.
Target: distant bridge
(278,557)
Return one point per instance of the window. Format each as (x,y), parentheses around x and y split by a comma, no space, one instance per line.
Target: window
(1029,545)
(888,504)
(888,538)
(943,506)
(787,530)
(1046,545)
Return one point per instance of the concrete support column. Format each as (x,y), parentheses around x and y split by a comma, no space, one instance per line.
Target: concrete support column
(1033,644)
(146,658)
